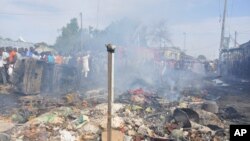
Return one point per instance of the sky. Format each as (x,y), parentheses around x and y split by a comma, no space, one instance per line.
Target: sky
(200,20)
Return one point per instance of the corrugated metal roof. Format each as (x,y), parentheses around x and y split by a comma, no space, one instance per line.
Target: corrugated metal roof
(245,45)
(17,44)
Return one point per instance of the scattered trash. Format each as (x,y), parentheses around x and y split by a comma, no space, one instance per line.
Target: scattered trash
(210,106)
(181,118)
(66,136)
(90,128)
(4,137)
(211,97)
(193,116)
(220,82)
(207,118)
(177,134)
(81,121)
(231,113)
(138,115)
(5,126)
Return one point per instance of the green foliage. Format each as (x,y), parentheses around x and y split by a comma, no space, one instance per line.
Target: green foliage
(70,37)
(125,33)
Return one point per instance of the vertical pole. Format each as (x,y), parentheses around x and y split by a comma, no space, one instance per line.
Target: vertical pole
(111,50)
(81,19)
(223,26)
(222,37)
(235,38)
(81,31)
(184,42)
(97,16)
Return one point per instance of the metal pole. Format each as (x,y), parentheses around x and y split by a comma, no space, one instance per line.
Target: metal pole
(111,50)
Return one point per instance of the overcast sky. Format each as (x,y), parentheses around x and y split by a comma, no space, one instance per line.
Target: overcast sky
(40,20)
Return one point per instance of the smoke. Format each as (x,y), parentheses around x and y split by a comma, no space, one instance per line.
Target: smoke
(139,59)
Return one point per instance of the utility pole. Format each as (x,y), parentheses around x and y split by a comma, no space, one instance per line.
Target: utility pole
(97,16)
(222,38)
(235,39)
(111,51)
(223,27)
(81,19)
(81,31)
(184,42)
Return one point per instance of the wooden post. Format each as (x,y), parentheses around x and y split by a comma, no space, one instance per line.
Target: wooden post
(111,50)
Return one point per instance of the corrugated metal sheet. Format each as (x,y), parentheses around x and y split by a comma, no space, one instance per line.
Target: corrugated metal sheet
(17,44)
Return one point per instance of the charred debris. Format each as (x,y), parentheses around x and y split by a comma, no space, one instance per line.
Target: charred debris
(168,101)
(161,94)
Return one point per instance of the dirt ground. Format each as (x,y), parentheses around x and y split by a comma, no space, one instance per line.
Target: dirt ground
(236,95)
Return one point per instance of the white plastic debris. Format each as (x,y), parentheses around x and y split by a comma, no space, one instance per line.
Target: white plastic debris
(66,136)
(219,82)
(91,128)
(104,107)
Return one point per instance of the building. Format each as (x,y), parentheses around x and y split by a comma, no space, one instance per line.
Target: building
(236,61)
(17,44)
(172,53)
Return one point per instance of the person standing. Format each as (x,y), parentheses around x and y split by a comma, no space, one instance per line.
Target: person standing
(58,59)
(85,61)
(29,52)
(12,56)
(66,59)
(5,58)
(18,53)
(2,67)
(51,58)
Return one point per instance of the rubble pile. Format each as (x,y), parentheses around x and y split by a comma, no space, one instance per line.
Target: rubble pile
(137,115)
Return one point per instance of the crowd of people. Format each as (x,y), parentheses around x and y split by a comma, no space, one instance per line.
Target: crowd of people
(9,56)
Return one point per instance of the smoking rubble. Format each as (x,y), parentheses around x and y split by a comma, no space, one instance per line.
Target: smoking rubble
(150,104)
(146,111)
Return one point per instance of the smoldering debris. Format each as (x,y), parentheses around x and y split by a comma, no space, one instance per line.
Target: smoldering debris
(154,100)
(137,113)
(173,109)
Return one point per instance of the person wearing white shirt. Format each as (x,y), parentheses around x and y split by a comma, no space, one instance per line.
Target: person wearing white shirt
(85,61)
(2,68)
(5,56)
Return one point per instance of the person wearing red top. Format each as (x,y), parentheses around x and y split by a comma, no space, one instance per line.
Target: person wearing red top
(12,56)
(58,59)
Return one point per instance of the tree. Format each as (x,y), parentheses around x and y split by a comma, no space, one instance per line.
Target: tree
(202,58)
(70,37)
(125,32)
(159,35)
(140,36)
(121,32)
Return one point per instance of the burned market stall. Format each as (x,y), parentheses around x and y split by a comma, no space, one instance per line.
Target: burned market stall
(236,61)
(32,76)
